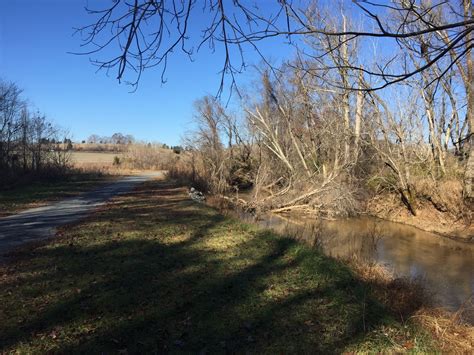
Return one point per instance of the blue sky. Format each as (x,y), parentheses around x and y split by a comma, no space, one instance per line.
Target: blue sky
(35,36)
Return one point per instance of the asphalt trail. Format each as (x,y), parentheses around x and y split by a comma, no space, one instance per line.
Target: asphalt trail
(40,223)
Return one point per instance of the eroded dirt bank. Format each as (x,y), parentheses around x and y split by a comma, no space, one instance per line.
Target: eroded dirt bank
(454,226)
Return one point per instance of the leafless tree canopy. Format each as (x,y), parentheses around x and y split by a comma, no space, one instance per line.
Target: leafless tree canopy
(149,32)
(339,48)
(29,142)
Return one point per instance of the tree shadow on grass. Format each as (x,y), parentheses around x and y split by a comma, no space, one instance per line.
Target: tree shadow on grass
(157,273)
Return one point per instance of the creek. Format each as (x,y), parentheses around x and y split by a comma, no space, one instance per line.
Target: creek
(444,266)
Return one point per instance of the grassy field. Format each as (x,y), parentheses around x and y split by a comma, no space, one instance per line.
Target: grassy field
(155,272)
(94,157)
(39,193)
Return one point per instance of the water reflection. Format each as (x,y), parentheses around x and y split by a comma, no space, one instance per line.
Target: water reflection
(445,266)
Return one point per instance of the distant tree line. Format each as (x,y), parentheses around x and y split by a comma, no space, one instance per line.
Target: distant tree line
(126,139)
(175,148)
(30,144)
(116,138)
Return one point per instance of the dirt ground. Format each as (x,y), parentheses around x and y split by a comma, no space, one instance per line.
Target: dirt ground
(427,218)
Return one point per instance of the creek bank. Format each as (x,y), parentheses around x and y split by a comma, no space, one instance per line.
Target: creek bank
(388,208)
(405,250)
(428,218)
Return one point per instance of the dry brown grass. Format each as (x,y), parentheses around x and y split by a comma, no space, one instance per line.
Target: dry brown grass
(148,157)
(445,195)
(134,161)
(403,296)
(105,169)
(182,172)
(410,301)
(131,156)
(93,157)
(99,168)
(100,162)
(451,333)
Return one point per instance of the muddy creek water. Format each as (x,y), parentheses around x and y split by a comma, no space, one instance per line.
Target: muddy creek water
(444,266)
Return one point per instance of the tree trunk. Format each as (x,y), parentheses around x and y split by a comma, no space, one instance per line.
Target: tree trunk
(408,199)
(469,173)
(358,118)
(345,95)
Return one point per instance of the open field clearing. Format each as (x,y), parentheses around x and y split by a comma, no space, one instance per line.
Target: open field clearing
(93,158)
(156,272)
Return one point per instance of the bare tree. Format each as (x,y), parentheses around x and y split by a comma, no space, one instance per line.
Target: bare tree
(146,33)
(11,107)
(27,142)
(207,141)
(398,139)
(303,141)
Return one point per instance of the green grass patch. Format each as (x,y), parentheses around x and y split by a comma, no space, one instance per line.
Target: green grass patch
(155,272)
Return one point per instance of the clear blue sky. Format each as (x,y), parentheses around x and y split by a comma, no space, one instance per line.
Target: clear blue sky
(35,36)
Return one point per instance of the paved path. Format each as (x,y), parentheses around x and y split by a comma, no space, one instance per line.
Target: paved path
(39,223)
